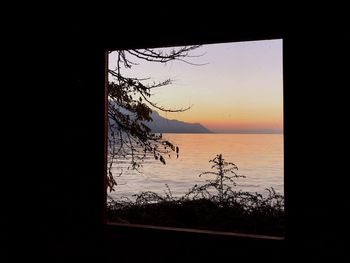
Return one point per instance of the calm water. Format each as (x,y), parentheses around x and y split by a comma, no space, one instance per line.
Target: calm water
(258,156)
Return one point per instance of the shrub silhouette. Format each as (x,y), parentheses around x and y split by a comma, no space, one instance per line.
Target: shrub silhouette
(213,205)
(219,182)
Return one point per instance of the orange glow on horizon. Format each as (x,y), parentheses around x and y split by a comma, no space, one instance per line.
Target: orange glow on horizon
(239,86)
(243,125)
(272,119)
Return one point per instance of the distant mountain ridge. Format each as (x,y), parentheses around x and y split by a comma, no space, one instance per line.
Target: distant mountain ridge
(164,125)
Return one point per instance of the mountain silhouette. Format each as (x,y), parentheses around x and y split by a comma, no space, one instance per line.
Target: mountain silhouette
(164,125)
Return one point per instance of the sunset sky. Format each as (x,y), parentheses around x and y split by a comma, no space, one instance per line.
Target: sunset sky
(239,87)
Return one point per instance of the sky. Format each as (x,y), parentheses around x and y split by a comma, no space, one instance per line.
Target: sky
(238,87)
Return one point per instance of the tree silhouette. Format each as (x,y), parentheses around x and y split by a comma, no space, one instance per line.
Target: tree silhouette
(130,107)
(219,182)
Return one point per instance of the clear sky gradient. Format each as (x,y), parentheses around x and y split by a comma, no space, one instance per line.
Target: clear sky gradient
(239,87)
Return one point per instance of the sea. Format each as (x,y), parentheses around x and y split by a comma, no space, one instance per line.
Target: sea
(259,157)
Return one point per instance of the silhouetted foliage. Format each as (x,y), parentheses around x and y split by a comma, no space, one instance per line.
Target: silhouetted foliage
(213,205)
(130,106)
(219,182)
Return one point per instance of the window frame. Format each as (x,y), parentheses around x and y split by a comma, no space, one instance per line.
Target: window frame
(165,229)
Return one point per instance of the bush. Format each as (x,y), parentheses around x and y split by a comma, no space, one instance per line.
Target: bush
(213,205)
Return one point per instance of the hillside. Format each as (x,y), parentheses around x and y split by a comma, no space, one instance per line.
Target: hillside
(163,125)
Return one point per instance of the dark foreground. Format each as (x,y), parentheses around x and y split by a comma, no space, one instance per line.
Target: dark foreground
(202,214)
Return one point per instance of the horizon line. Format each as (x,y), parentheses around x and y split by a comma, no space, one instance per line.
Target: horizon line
(226,132)
(277,131)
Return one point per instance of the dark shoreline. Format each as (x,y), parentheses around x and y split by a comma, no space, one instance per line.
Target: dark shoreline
(201,214)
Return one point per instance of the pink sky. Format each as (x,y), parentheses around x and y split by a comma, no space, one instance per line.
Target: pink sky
(241,87)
